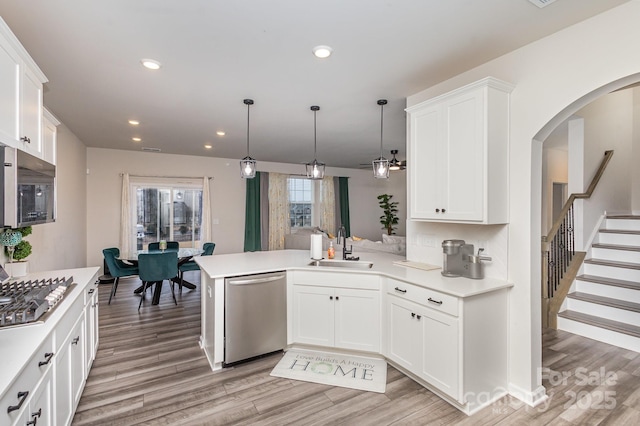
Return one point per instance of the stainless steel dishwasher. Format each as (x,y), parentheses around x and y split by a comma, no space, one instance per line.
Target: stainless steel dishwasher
(255,316)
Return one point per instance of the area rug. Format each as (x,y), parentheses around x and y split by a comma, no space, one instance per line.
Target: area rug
(348,371)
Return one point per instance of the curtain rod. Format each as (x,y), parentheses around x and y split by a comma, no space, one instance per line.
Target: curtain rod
(169,177)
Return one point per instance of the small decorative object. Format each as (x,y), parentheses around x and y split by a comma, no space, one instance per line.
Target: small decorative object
(162,245)
(389,208)
(331,251)
(17,249)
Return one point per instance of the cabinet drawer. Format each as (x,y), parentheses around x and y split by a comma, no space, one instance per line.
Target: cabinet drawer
(424,296)
(68,320)
(27,381)
(336,279)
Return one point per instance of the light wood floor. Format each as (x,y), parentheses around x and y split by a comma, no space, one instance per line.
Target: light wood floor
(149,370)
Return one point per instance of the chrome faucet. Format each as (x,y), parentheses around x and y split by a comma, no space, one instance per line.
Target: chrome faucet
(342,235)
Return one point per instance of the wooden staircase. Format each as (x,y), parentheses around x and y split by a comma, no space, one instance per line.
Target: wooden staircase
(604,301)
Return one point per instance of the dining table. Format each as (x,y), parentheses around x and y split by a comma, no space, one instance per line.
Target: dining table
(185,254)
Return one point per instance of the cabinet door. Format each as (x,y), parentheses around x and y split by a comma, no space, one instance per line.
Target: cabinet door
(405,335)
(49,141)
(40,407)
(9,94)
(313,315)
(31,113)
(357,316)
(427,178)
(78,335)
(464,157)
(91,326)
(70,373)
(440,351)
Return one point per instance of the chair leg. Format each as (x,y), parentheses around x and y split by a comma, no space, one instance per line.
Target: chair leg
(114,286)
(173,293)
(181,280)
(142,293)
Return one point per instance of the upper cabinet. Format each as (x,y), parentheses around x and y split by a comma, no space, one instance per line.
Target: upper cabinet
(49,136)
(20,95)
(458,146)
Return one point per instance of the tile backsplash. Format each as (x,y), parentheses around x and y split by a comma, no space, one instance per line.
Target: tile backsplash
(424,243)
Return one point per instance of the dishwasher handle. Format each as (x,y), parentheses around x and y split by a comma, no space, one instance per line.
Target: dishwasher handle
(255,280)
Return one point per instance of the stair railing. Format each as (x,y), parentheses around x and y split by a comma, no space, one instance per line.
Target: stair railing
(560,261)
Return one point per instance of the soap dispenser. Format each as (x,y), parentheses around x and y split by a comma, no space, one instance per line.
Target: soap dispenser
(331,251)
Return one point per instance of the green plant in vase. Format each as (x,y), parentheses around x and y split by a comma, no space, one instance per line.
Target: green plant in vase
(389,208)
(16,248)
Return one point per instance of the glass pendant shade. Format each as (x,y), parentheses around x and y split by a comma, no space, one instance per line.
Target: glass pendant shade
(315,169)
(381,165)
(381,168)
(248,164)
(248,168)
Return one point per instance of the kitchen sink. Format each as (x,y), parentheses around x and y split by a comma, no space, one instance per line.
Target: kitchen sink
(353,264)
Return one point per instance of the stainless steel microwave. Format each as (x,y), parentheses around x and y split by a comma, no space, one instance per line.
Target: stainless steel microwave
(28,186)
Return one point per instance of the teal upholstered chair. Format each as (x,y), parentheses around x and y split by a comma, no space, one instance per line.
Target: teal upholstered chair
(171,245)
(155,268)
(192,265)
(117,268)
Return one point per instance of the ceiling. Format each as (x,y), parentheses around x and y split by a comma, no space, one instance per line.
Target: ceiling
(215,53)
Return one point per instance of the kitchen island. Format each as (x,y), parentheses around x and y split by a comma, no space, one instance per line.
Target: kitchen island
(448,334)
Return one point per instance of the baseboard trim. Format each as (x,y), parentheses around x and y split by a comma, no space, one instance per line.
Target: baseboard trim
(531,398)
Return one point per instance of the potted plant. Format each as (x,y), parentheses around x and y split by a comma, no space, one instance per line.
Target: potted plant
(17,249)
(389,208)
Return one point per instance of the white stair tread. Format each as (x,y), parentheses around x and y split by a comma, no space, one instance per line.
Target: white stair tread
(619,231)
(616,326)
(616,247)
(609,281)
(623,216)
(613,263)
(606,301)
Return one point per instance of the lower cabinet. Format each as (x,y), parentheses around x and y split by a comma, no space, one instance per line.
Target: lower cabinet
(424,342)
(337,317)
(70,372)
(40,410)
(91,326)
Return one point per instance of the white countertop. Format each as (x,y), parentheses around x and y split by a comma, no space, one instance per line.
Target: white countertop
(229,265)
(17,344)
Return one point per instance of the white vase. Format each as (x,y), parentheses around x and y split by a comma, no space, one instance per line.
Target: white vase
(17,269)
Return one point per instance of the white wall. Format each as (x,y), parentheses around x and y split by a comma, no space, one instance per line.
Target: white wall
(635,153)
(553,78)
(554,169)
(63,244)
(104,185)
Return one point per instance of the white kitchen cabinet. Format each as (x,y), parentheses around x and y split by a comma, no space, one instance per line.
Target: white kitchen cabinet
(40,410)
(21,90)
(49,136)
(70,372)
(458,155)
(91,325)
(336,315)
(405,336)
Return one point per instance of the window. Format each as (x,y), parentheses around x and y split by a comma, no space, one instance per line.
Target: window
(171,212)
(301,195)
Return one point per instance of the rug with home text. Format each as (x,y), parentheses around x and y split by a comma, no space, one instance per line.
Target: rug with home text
(349,371)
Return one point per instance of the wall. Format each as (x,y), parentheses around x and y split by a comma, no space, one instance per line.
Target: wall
(63,244)
(553,78)
(635,153)
(104,185)
(554,169)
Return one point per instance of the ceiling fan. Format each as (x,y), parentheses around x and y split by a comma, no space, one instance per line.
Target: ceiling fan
(394,163)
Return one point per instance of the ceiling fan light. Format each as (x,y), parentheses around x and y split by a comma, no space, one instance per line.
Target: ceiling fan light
(381,168)
(394,166)
(248,168)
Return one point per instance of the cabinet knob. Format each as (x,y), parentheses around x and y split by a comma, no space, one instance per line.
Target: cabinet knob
(443,210)
(337,297)
(418,316)
(75,340)
(437,210)
(92,290)
(413,315)
(330,297)
(25,139)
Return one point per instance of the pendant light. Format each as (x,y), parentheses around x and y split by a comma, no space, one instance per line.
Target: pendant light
(381,165)
(315,169)
(248,164)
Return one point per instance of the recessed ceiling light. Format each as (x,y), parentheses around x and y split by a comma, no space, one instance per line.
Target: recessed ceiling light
(208,146)
(134,122)
(322,51)
(220,133)
(136,139)
(151,64)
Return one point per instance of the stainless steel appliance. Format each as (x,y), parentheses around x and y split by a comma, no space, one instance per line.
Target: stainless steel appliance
(26,302)
(255,319)
(459,260)
(27,186)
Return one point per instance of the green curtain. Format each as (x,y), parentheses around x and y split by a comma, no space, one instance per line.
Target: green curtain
(343,183)
(252,241)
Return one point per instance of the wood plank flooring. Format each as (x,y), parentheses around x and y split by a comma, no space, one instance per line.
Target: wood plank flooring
(150,370)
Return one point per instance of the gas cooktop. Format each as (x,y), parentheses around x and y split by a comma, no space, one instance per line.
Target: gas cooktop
(27,302)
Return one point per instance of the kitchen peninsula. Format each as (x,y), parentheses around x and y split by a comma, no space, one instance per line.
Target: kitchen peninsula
(448,334)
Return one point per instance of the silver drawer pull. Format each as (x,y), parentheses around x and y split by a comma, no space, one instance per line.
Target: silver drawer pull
(437,302)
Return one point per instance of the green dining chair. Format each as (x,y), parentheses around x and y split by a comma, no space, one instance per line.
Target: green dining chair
(171,245)
(154,268)
(192,265)
(117,268)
